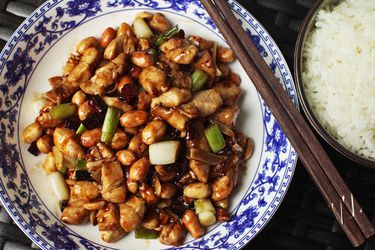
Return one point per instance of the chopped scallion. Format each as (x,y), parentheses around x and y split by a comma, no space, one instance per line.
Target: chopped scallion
(81,129)
(110,124)
(144,233)
(198,80)
(166,35)
(215,138)
(62,111)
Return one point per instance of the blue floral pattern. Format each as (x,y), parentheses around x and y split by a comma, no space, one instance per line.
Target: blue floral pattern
(17,61)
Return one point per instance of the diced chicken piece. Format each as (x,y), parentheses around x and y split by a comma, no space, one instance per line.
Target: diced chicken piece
(183,55)
(180,79)
(173,116)
(105,76)
(207,102)
(201,43)
(189,109)
(85,190)
(229,91)
(172,98)
(206,64)
(113,183)
(83,71)
(200,169)
(65,140)
(227,115)
(173,43)
(109,223)
(132,213)
(74,215)
(154,80)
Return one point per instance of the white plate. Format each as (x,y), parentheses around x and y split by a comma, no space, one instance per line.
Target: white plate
(39,49)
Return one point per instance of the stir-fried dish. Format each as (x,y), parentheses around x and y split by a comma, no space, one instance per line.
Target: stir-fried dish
(139,132)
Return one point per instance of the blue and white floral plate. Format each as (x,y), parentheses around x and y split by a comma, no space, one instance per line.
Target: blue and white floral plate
(38,50)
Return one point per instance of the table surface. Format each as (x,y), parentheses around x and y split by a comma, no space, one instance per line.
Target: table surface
(303,221)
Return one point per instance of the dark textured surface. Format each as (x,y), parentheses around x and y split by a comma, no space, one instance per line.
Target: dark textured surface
(303,220)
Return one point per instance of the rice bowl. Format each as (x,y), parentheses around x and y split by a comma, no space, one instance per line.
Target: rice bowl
(338,76)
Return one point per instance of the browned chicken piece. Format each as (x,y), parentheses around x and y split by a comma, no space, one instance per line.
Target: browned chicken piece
(84,70)
(154,80)
(172,234)
(189,109)
(172,98)
(113,183)
(200,169)
(65,140)
(88,42)
(105,76)
(172,116)
(207,102)
(180,79)
(183,55)
(45,119)
(171,44)
(117,103)
(229,91)
(85,190)
(144,101)
(227,115)
(201,43)
(132,213)
(70,64)
(125,30)
(206,64)
(114,48)
(109,223)
(223,186)
(74,215)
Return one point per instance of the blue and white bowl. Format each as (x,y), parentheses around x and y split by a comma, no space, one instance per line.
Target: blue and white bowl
(39,49)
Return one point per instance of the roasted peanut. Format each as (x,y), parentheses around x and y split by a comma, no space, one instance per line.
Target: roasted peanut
(139,169)
(192,224)
(86,43)
(235,78)
(126,157)
(224,55)
(133,118)
(136,145)
(197,190)
(168,190)
(142,59)
(114,48)
(107,36)
(131,131)
(125,30)
(182,55)
(172,234)
(148,194)
(49,163)
(159,23)
(164,203)
(119,140)
(153,80)
(32,133)
(116,103)
(224,69)
(157,186)
(164,173)
(154,132)
(172,116)
(45,144)
(91,137)
(79,98)
(84,110)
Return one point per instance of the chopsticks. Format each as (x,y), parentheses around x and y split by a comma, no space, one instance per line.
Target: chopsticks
(316,161)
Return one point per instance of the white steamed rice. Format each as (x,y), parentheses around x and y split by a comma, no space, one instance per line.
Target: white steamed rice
(339,74)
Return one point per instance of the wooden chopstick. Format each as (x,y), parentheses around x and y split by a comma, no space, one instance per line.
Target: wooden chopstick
(304,130)
(286,118)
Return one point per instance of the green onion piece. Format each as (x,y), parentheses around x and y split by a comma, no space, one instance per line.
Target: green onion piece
(198,80)
(81,129)
(215,138)
(166,35)
(110,124)
(62,111)
(153,52)
(144,233)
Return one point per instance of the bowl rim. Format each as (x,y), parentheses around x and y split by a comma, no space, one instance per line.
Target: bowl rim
(298,60)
